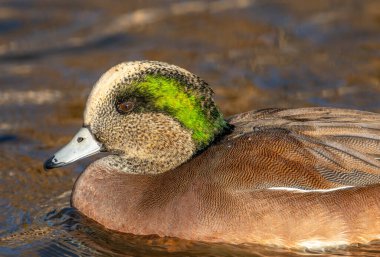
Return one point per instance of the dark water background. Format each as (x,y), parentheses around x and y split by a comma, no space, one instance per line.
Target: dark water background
(255,54)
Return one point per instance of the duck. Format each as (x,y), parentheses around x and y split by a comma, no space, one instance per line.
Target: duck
(294,178)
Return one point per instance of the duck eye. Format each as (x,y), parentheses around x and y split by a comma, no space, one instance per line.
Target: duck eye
(125,107)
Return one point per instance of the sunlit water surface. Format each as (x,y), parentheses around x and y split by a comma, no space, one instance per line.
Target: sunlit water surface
(255,54)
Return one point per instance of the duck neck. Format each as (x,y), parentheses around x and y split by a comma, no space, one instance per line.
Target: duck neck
(175,154)
(153,158)
(174,157)
(133,165)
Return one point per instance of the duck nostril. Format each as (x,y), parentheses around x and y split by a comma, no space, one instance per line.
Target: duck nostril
(80,139)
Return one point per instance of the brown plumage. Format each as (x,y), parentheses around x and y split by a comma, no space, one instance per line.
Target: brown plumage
(289,177)
(222,194)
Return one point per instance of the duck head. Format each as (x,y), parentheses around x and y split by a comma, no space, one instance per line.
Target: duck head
(151,117)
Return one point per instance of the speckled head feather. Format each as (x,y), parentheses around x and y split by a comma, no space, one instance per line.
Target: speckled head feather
(171,107)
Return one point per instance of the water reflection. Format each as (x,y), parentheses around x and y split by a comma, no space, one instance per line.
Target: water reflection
(255,54)
(66,232)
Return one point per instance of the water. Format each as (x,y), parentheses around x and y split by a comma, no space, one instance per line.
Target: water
(255,54)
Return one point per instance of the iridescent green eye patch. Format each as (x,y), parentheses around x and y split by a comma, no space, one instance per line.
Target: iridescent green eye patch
(168,95)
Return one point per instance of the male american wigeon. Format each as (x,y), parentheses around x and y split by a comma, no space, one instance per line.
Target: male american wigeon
(290,177)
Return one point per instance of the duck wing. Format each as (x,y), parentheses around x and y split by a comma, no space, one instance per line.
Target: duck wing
(332,147)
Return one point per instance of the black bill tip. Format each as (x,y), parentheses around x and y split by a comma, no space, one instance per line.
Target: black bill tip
(52,163)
